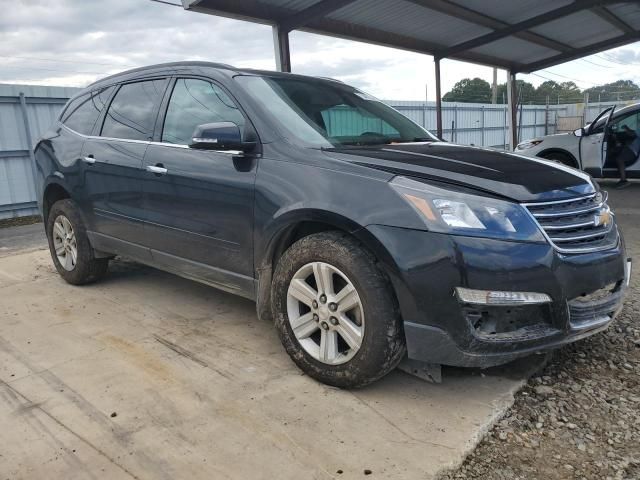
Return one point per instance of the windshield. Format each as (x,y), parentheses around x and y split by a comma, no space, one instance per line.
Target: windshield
(325,114)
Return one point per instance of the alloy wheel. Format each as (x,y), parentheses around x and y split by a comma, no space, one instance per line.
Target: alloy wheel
(325,313)
(64,243)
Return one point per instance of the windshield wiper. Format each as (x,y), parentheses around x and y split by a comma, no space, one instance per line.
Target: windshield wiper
(365,144)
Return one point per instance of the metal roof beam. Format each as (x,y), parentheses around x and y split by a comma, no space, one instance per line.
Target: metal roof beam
(581,52)
(314,12)
(613,19)
(501,28)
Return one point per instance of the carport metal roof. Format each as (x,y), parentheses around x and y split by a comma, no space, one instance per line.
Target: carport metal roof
(517,35)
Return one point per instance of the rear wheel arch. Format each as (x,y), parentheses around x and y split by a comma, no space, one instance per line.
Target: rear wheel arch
(52,193)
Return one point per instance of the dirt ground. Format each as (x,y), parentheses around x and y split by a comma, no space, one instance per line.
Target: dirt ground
(14,222)
(580,417)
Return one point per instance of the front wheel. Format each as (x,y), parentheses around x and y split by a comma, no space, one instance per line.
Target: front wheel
(563,158)
(335,311)
(71,251)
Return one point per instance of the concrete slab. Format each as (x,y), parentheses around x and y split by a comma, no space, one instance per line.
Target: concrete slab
(147,375)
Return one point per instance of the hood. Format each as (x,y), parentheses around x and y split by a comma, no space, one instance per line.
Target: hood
(523,179)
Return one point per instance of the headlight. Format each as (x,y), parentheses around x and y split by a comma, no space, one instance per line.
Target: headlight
(448,211)
(528,144)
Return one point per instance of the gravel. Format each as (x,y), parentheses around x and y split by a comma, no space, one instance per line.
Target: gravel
(580,417)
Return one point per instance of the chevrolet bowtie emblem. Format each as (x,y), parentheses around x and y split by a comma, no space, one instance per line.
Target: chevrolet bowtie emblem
(603,217)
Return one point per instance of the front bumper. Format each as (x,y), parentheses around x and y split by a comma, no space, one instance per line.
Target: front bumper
(587,292)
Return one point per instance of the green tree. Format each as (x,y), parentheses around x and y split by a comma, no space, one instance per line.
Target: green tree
(565,92)
(525,92)
(469,90)
(612,92)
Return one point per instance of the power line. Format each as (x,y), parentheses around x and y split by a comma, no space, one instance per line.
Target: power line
(168,3)
(568,78)
(67,61)
(53,70)
(596,64)
(610,58)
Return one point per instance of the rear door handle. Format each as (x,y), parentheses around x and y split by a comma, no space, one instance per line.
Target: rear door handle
(89,159)
(157,169)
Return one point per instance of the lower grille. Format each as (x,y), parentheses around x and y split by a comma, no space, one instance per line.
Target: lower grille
(582,224)
(596,308)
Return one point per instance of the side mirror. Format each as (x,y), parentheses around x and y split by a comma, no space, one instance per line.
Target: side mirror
(580,132)
(219,136)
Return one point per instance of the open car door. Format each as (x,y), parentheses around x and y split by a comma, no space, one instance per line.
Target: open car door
(593,144)
(604,150)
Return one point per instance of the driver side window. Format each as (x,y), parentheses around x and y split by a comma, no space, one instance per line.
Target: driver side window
(630,122)
(195,102)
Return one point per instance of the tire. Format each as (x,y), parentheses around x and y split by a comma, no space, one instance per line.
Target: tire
(349,265)
(562,158)
(85,268)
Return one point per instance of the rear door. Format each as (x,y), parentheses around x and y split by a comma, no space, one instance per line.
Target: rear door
(199,203)
(79,120)
(114,164)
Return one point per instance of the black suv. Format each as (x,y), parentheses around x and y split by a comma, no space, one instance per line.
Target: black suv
(360,234)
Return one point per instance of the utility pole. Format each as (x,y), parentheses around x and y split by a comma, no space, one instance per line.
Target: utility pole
(494,86)
(585,113)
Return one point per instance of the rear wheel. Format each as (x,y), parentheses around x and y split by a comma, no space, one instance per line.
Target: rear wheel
(335,311)
(69,245)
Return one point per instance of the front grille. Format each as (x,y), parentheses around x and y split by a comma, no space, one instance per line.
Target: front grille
(583,224)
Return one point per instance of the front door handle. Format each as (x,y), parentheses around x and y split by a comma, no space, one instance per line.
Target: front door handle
(89,159)
(157,169)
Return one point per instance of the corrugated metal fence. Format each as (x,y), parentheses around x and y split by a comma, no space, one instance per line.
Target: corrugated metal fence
(26,112)
(482,124)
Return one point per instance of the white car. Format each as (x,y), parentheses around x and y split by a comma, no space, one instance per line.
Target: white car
(586,148)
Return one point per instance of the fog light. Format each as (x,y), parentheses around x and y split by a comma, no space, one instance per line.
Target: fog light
(493,297)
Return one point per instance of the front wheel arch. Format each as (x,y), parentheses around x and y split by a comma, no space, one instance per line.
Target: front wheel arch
(305,223)
(560,155)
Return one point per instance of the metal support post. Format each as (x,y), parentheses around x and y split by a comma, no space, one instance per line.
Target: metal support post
(438,99)
(281,47)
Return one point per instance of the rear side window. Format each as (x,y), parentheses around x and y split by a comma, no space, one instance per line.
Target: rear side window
(82,113)
(132,113)
(195,102)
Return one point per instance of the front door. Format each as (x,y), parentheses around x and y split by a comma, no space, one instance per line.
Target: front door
(199,203)
(623,138)
(592,148)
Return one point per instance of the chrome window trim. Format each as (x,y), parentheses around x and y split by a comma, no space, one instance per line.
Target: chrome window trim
(149,142)
(575,199)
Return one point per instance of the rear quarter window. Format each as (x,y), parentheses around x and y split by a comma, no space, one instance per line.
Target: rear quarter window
(82,113)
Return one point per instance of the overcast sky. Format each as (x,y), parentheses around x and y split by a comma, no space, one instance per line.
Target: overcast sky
(74,42)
